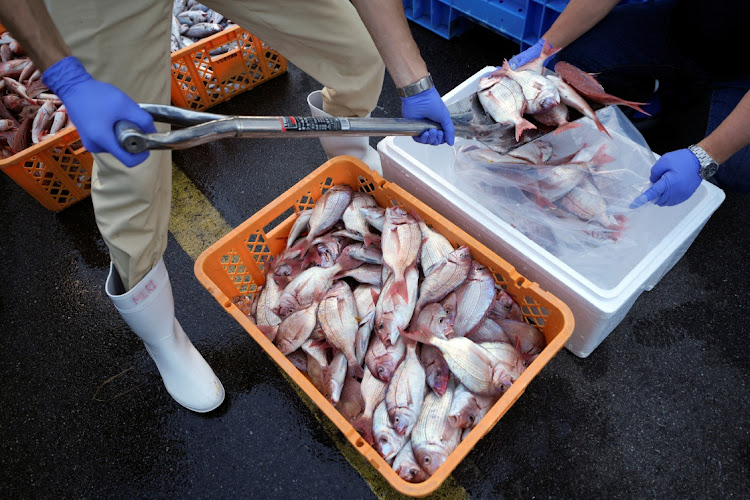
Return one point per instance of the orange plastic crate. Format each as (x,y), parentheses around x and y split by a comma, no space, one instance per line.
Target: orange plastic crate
(234,266)
(200,80)
(56,171)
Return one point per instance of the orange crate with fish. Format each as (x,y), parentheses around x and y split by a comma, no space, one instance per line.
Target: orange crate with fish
(39,152)
(234,270)
(221,66)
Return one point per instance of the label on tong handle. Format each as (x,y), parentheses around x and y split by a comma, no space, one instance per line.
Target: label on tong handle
(309,124)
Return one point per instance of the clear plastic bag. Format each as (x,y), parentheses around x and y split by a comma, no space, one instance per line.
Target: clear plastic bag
(568,192)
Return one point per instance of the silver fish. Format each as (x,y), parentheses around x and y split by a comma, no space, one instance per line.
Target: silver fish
(334,376)
(435,247)
(406,465)
(505,102)
(473,366)
(365,298)
(299,226)
(509,356)
(405,392)
(392,313)
(402,240)
(527,338)
(265,317)
(355,221)
(350,403)
(203,30)
(506,307)
(387,440)
(373,393)
(337,316)
(296,329)
(467,409)
(475,298)
(433,438)
(375,216)
(382,360)
(446,276)
(436,369)
(540,93)
(59,120)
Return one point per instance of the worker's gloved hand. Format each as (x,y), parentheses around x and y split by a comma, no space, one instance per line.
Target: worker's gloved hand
(527,55)
(94,107)
(429,105)
(675,178)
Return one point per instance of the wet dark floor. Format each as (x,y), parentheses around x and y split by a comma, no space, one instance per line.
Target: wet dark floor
(660,409)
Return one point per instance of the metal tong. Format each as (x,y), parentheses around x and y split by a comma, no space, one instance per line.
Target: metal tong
(201,128)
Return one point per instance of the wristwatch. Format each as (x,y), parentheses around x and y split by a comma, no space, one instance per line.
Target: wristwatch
(708,164)
(417,87)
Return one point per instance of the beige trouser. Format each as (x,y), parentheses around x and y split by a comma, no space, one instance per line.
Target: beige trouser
(126,43)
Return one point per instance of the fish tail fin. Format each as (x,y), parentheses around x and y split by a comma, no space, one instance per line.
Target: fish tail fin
(418,335)
(371,239)
(632,104)
(269,331)
(355,369)
(400,288)
(522,125)
(600,157)
(363,425)
(600,125)
(566,126)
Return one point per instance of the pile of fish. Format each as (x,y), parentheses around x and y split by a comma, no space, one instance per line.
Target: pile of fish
(192,22)
(563,190)
(514,97)
(409,337)
(28,111)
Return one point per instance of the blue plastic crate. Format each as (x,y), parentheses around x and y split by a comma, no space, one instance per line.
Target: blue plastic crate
(437,16)
(522,21)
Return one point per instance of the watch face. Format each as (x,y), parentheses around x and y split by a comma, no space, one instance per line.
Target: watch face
(709,170)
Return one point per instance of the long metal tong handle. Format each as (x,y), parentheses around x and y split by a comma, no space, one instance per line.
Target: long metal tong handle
(208,127)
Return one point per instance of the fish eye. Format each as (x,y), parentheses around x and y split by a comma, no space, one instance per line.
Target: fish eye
(396,419)
(412,473)
(380,370)
(380,326)
(441,320)
(471,419)
(383,440)
(427,460)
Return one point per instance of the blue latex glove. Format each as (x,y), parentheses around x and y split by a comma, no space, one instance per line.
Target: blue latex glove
(527,55)
(675,177)
(94,107)
(429,105)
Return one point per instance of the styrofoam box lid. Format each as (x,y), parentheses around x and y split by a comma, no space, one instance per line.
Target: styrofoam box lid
(663,231)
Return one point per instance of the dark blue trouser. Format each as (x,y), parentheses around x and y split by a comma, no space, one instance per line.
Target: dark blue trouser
(632,47)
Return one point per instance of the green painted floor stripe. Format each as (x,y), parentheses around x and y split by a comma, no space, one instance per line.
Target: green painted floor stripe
(196,225)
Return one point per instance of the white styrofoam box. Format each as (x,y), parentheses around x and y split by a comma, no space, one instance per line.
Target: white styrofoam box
(598,305)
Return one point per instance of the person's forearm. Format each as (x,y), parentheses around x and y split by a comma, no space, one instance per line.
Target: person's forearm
(30,23)
(577,18)
(731,135)
(389,29)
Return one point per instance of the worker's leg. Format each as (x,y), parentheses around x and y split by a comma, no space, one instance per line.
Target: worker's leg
(733,174)
(327,40)
(127,44)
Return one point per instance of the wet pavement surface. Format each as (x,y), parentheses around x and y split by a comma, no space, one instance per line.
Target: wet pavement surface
(659,409)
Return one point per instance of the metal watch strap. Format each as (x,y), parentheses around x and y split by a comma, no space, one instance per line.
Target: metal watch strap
(708,165)
(417,87)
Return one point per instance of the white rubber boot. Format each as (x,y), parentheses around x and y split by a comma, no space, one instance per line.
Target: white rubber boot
(344,145)
(149,311)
